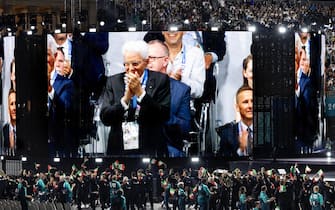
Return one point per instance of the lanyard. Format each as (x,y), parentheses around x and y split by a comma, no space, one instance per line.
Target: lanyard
(134,99)
(183,58)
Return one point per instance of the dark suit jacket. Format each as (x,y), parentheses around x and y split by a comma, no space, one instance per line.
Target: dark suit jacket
(229,139)
(154,112)
(178,126)
(60,114)
(306,121)
(19,143)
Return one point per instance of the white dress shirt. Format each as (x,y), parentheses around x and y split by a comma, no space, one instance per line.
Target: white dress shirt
(191,60)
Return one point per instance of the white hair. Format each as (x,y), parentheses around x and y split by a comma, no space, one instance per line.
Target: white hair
(52,45)
(138,46)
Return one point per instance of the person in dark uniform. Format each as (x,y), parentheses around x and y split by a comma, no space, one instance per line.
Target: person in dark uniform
(127,189)
(80,191)
(134,201)
(93,189)
(304,197)
(104,191)
(141,193)
(60,191)
(23,195)
(148,185)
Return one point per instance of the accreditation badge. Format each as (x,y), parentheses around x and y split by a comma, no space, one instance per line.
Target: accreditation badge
(130,135)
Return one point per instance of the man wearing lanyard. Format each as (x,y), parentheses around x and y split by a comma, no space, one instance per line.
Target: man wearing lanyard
(137,95)
(237,137)
(187,62)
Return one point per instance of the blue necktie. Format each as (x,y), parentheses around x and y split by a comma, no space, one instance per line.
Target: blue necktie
(250,142)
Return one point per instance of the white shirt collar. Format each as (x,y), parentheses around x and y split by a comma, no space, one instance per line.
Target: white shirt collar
(244,126)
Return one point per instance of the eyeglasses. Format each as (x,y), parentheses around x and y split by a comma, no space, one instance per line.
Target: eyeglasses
(134,64)
(156,57)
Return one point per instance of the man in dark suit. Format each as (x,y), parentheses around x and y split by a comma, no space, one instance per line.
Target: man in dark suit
(60,110)
(236,137)
(178,126)
(305,106)
(12,145)
(139,96)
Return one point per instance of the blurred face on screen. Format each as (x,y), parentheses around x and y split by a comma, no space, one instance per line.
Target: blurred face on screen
(12,106)
(51,61)
(12,75)
(247,73)
(134,63)
(60,38)
(245,106)
(158,58)
(304,62)
(173,37)
(59,62)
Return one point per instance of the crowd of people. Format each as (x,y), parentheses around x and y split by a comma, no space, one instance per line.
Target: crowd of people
(198,188)
(232,15)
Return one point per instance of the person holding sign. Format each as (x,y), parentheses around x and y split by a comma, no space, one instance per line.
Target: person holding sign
(136,105)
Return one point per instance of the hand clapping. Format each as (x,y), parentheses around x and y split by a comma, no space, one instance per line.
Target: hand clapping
(133,85)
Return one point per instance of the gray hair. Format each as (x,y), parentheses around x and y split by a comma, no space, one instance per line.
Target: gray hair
(52,45)
(162,45)
(138,46)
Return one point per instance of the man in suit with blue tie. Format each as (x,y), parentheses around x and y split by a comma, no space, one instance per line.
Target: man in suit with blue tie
(60,94)
(305,106)
(236,138)
(178,126)
(137,100)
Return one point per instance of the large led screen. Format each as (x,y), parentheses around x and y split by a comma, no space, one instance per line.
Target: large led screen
(10,144)
(170,94)
(309,95)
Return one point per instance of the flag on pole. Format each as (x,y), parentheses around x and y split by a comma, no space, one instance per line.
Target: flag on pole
(292,170)
(121,167)
(114,165)
(172,191)
(320,172)
(80,173)
(164,183)
(252,172)
(282,188)
(153,161)
(269,172)
(50,168)
(202,172)
(307,169)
